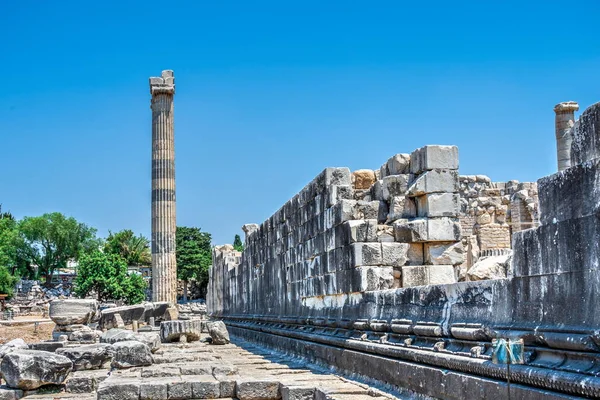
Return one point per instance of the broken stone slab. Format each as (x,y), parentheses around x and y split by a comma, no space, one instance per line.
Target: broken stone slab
(150,339)
(128,314)
(85,335)
(172,331)
(85,381)
(437,181)
(442,229)
(31,369)
(396,165)
(494,267)
(13,345)
(438,205)
(218,332)
(73,311)
(131,354)
(116,335)
(87,357)
(421,275)
(257,390)
(444,253)
(432,157)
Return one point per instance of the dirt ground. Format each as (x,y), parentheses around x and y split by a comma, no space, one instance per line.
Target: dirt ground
(27,332)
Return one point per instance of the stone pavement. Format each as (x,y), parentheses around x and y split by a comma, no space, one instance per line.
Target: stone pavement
(199,370)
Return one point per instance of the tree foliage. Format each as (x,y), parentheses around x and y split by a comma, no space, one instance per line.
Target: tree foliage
(135,250)
(193,253)
(237,243)
(105,274)
(7,281)
(8,242)
(52,240)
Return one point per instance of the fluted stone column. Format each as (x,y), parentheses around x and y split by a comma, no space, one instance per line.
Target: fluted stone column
(565,118)
(164,268)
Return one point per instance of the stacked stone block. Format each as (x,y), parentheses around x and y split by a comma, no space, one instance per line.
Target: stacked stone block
(430,225)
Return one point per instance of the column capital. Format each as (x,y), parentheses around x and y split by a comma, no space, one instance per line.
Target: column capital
(566,107)
(163,84)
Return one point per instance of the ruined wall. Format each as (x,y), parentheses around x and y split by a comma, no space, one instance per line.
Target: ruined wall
(316,277)
(345,234)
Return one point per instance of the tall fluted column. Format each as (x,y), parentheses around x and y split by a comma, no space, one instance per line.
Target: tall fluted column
(564,120)
(164,267)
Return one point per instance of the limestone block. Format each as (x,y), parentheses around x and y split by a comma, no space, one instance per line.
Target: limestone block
(385,233)
(86,357)
(428,158)
(365,254)
(374,278)
(153,390)
(337,176)
(131,354)
(179,390)
(257,390)
(444,253)
(72,311)
(415,254)
(171,331)
(394,254)
(401,207)
(150,339)
(218,332)
(494,267)
(442,229)
(421,275)
(31,369)
(116,335)
(361,230)
(395,185)
(85,335)
(377,190)
(205,387)
(297,392)
(335,193)
(11,346)
(363,178)
(437,181)
(396,165)
(7,393)
(438,205)
(113,389)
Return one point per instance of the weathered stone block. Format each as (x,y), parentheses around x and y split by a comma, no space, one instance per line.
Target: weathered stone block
(297,392)
(72,311)
(421,275)
(401,207)
(397,164)
(218,332)
(179,390)
(365,254)
(438,205)
(394,254)
(444,253)
(257,390)
(373,278)
(432,157)
(363,178)
(361,230)
(415,254)
(116,335)
(171,331)
(7,393)
(31,369)
(437,181)
(442,229)
(153,390)
(131,354)
(86,357)
(205,387)
(494,267)
(121,389)
(395,185)
(13,345)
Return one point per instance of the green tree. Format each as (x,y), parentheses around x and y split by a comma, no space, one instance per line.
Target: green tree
(135,250)
(237,243)
(105,274)
(52,240)
(8,242)
(194,256)
(7,281)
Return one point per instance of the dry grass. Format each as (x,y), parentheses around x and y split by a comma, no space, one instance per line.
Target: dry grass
(27,332)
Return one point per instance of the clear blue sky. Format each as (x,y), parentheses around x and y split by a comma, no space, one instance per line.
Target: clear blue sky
(270,93)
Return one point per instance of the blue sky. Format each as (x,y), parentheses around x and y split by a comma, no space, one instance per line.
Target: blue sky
(269,93)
